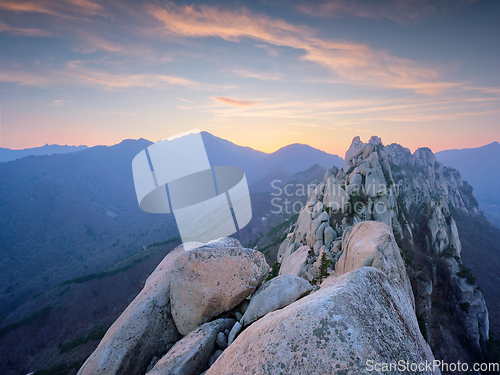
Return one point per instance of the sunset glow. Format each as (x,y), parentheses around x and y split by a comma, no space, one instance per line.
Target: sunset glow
(261,74)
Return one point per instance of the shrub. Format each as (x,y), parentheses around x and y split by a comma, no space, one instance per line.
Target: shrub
(274,271)
(466,273)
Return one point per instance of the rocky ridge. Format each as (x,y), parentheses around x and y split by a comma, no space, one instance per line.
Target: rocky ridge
(354,284)
(245,325)
(415,196)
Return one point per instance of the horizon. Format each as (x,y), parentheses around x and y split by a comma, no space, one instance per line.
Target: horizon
(342,155)
(262,75)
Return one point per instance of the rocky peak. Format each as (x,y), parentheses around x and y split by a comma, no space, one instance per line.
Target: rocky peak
(355,150)
(414,196)
(357,280)
(425,154)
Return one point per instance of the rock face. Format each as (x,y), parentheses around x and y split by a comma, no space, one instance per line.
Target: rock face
(371,243)
(210,280)
(275,294)
(378,241)
(144,327)
(416,198)
(295,262)
(147,327)
(190,355)
(360,316)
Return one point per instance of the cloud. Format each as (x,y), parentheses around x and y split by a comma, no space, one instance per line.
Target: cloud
(59,8)
(77,72)
(25,78)
(258,75)
(24,31)
(350,62)
(59,102)
(400,11)
(234,102)
(184,100)
(365,111)
(91,42)
(270,50)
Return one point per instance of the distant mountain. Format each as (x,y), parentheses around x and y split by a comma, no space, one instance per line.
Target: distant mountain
(257,164)
(71,227)
(6,154)
(223,152)
(298,157)
(480,167)
(67,215)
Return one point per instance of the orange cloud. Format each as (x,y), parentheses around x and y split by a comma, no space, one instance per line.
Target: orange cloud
(53,7)
(76,72)
(234,102)
(352,63)
(258,75)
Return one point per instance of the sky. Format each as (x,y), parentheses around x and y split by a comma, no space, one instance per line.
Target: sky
(262,74)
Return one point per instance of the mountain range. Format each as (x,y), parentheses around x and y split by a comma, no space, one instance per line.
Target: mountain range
(481,168)
(7,154)
(71,228)
(68,215)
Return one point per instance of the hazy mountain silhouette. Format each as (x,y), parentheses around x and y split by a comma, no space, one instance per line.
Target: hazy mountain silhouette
(481,168)
(257,164)
(299,157)
(6,154)
(68,215)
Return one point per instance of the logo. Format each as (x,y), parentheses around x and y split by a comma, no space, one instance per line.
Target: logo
(174,175)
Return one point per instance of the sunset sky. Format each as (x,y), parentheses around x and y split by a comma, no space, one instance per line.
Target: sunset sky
(262,74)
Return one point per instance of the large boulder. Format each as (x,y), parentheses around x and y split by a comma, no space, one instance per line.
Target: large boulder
(371,243)
(353,319)
(210,280)
(145,326)
(275,294)
(190,355)
(295,262)
(336,198)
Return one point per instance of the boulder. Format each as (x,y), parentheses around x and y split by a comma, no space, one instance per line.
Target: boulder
(214,357)
(371,243)
(318,236)
(284,245)
(375,184)
(303,223)
(336,246)
(289,250)
(318,207)
(208,281)
(191,355)
(295,262)
(275,294)
(359,317)
(221,340)
(234,332)
(336,198)
(329,235)
(145,326)
(382,210)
